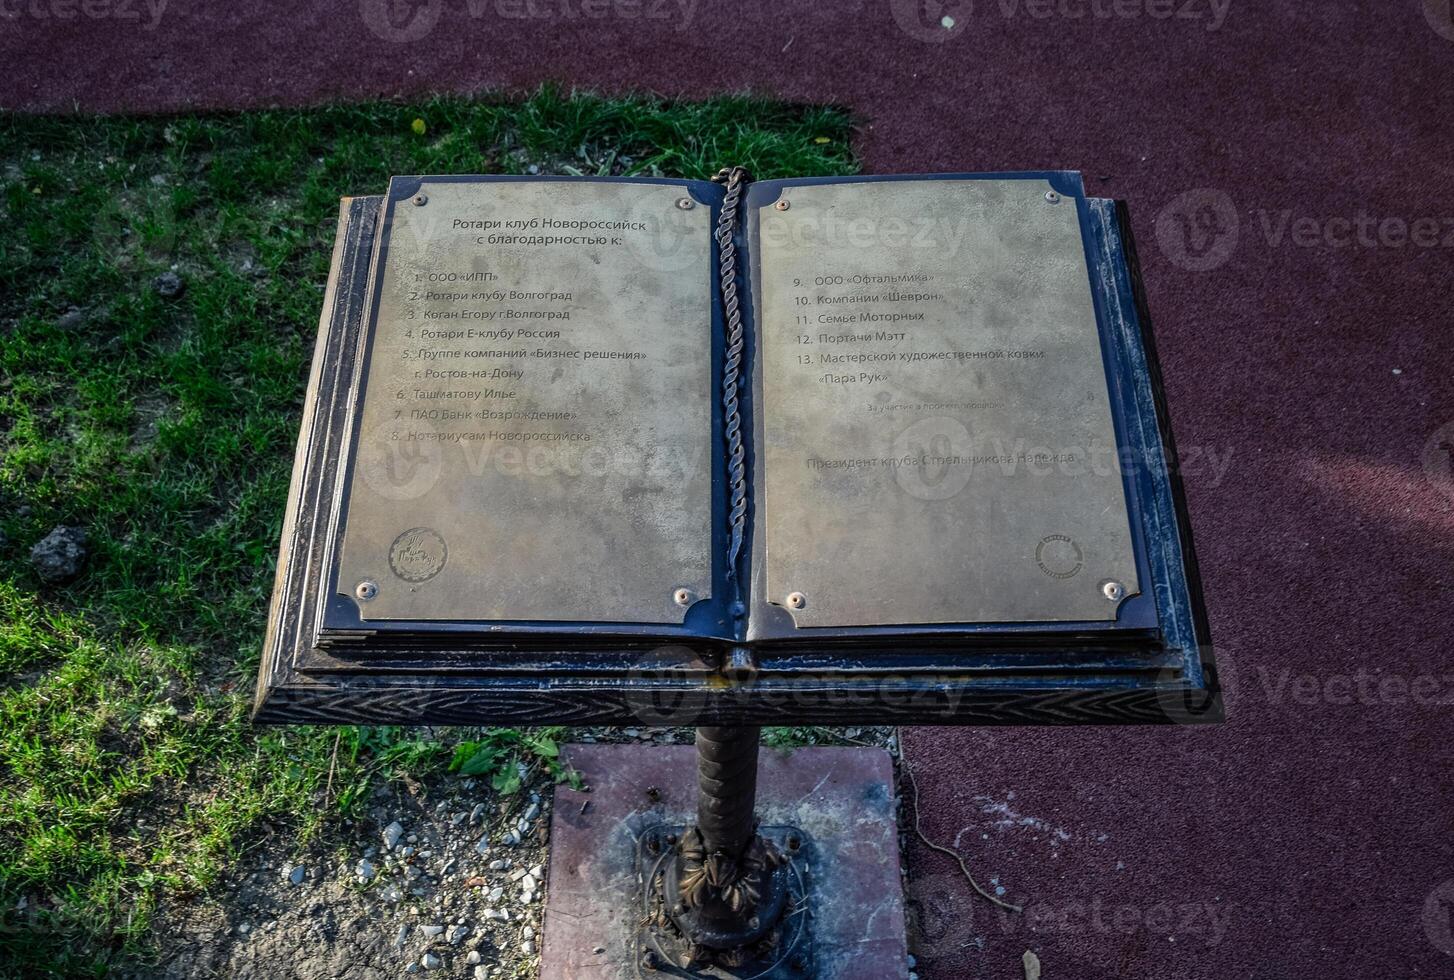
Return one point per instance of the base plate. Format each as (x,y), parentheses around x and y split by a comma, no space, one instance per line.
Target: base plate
(843,798)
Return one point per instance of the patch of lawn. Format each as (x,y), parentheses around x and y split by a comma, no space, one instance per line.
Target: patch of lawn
(164,427)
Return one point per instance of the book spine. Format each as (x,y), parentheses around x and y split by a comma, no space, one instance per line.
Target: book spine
(730,274)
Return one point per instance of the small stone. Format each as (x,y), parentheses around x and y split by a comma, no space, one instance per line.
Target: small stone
(497,915)
(476,813)
(483,847)
(528,932)
(70,320)
(169,285)
(538,872)
(391,893)
(412,968)
(473,958)
(431,931)
(406,852)
(457,934)
(533,169)
(365,871)
(402,936)
(527,949)
(497,893)
(499,865)
(392,833)
(527,884)
(297,875)
(244,928)
(60,555)
(531,812)
(482,973)
(430,961)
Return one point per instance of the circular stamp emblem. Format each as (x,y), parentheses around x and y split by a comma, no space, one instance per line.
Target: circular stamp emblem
(418,554)
(1059,556)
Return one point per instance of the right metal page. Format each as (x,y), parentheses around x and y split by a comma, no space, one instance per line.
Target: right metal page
(935,437)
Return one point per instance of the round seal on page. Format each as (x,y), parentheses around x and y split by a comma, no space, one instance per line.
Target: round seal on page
(1059,556)
(418,554)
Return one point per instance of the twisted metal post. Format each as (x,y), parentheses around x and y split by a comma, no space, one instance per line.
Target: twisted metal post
(727,788)
(734,178)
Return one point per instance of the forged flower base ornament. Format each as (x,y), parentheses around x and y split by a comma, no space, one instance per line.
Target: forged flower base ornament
(720,887)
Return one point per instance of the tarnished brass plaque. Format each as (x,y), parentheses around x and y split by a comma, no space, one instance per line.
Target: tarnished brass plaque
(535,437)
(938,444)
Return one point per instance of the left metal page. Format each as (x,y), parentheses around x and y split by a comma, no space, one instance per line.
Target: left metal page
(534,441)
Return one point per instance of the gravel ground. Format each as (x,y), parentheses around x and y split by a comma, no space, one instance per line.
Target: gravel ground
(442,878)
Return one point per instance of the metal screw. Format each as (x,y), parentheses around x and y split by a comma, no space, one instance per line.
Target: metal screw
(782,205)
(1052,197)
(366,591)
(686,204)
(683,597)
(1114,591)
(797,600)
(420,200)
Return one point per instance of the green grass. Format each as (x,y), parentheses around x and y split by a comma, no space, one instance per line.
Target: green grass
(128,772)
